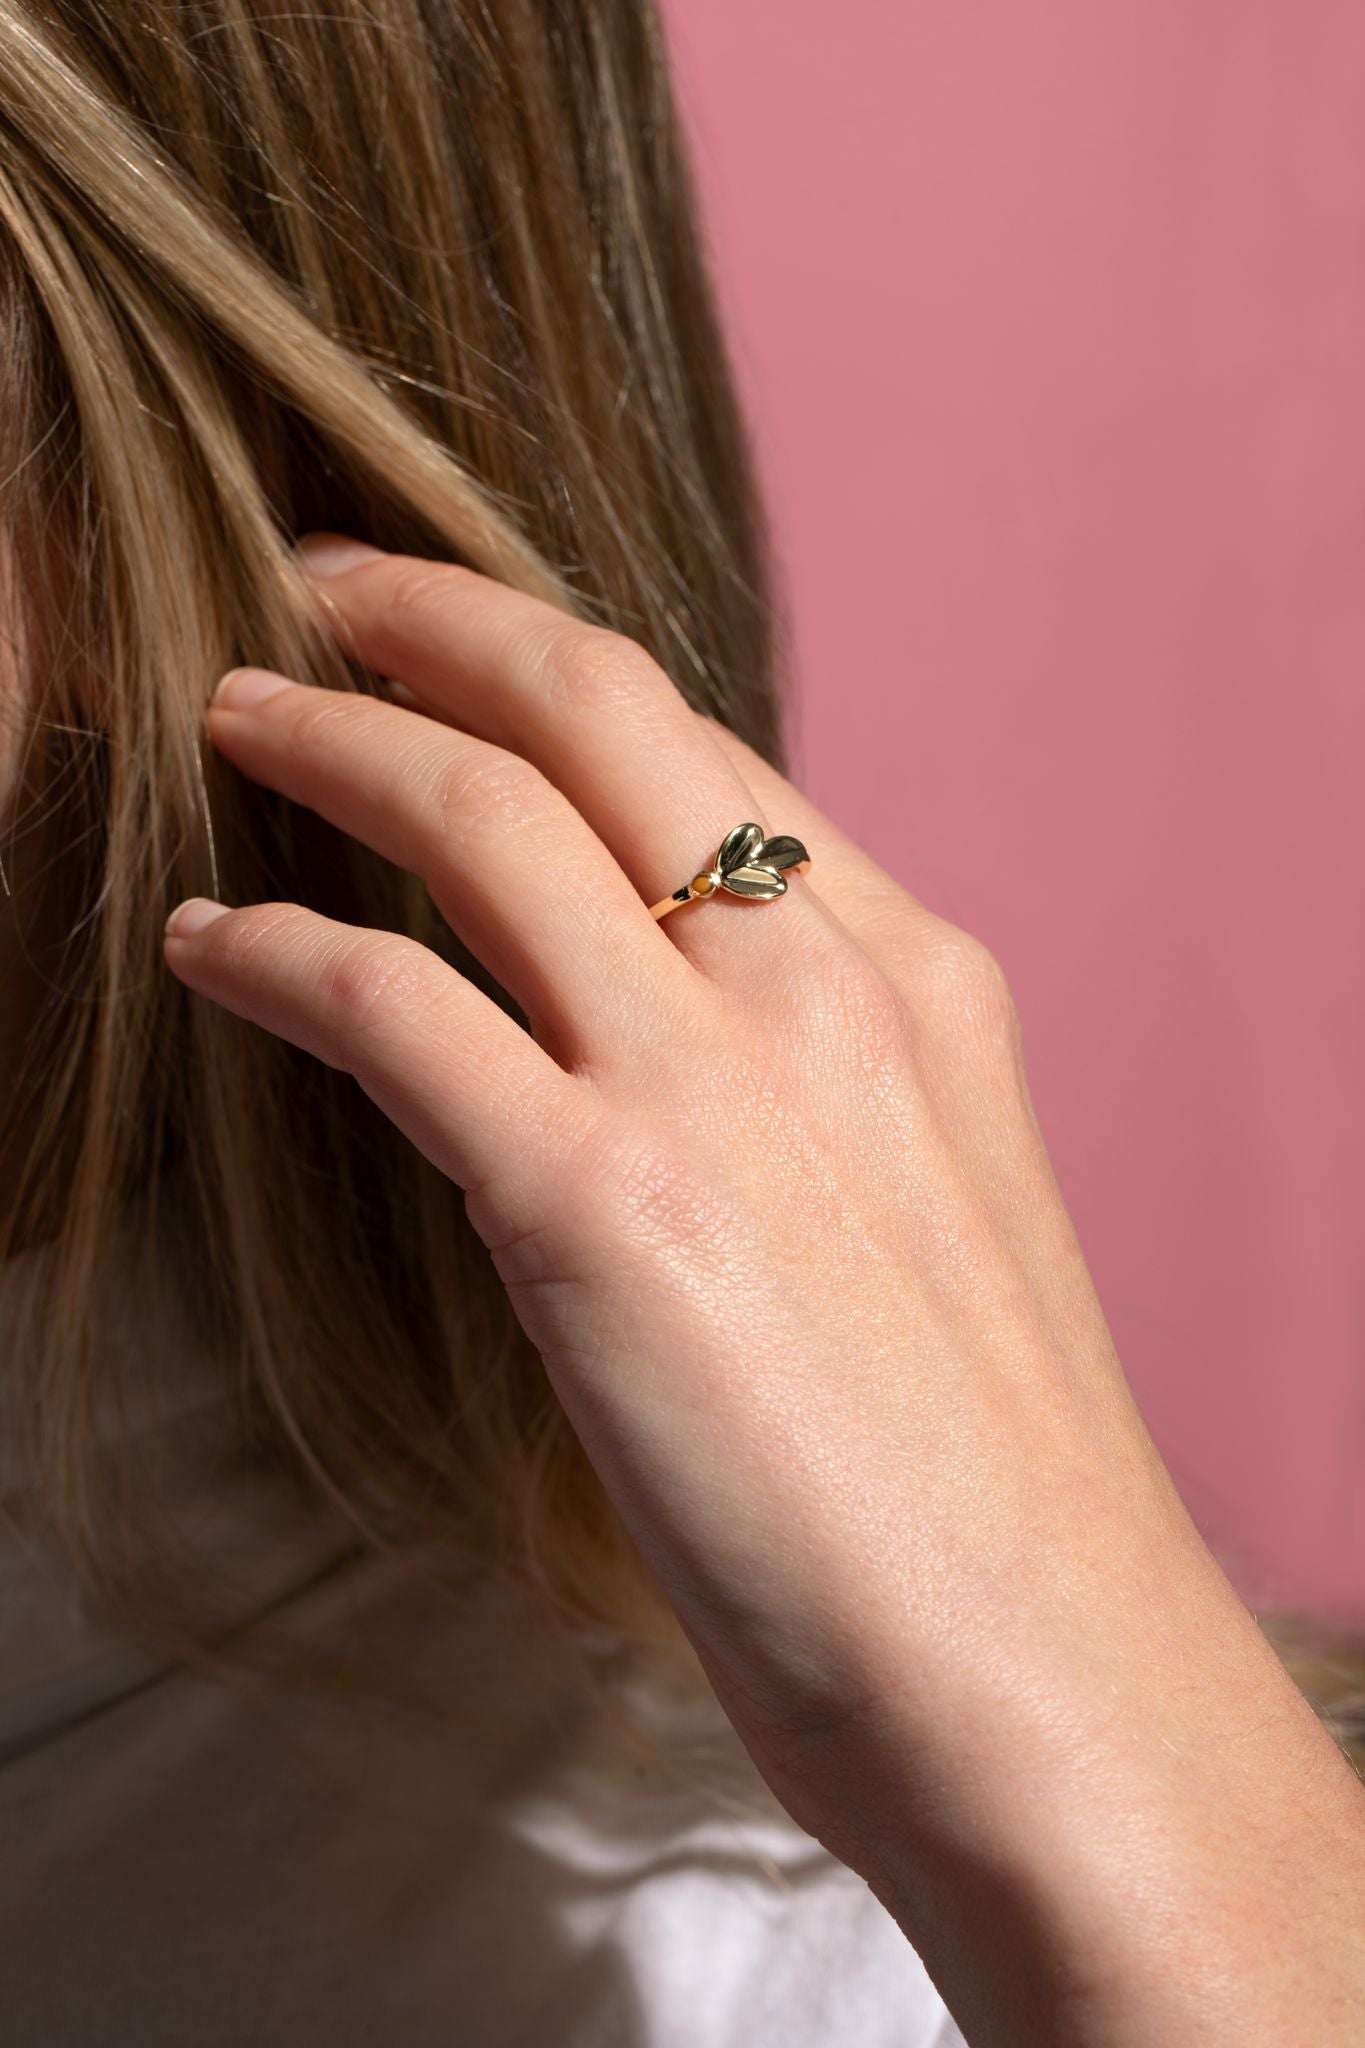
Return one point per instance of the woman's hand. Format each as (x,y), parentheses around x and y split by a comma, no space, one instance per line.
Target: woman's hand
(766,1189)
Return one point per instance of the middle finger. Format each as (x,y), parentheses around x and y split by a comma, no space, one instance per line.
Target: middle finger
(597,716)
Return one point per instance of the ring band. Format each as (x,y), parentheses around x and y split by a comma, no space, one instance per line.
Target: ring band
(746,864)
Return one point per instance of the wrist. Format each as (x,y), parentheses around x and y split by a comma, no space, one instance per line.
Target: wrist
(1117,1825)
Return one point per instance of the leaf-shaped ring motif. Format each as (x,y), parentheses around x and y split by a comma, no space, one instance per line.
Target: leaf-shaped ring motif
(746,864)
(737,847)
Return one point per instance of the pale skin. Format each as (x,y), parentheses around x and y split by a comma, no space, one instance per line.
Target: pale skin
(766,1189)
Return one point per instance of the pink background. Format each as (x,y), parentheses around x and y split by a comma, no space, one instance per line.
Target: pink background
(1051,322)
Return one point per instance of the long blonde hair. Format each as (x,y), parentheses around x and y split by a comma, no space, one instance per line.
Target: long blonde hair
(426,271)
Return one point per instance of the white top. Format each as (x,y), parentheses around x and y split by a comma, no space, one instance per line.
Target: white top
(187,1861)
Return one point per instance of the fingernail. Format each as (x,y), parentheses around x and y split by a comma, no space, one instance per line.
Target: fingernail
(241,689)
(192,915)
(330,554)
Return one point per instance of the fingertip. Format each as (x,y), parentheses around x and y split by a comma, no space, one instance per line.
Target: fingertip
(332,554)
(192,916)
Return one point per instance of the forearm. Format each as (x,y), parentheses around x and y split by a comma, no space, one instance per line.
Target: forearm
(1129,1829)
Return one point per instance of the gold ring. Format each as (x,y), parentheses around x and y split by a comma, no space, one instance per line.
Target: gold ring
(747,864)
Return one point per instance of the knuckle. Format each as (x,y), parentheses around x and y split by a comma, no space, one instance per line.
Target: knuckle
(860,1013)
(970,987)
(418,592)
(368,980)
(866,1004)
(487,789)
(319,713)
(602,673)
